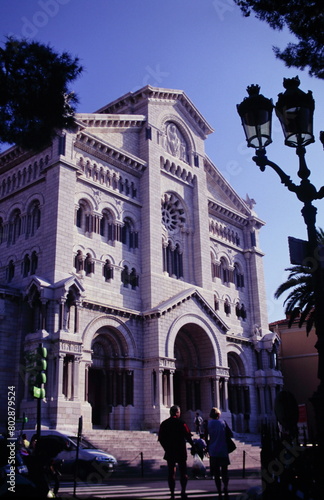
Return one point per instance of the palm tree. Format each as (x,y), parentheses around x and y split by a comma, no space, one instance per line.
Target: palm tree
(300,303)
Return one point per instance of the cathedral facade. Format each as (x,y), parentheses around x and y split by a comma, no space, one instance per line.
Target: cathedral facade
(126,253)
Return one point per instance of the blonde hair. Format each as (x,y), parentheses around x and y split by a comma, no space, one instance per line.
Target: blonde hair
(215,413)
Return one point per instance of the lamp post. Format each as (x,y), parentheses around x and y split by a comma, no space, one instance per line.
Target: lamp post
(295,110)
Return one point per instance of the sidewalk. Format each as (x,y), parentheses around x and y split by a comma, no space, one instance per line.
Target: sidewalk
(154,486)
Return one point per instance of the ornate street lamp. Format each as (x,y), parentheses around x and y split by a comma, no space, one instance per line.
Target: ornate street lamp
(295,110)
(256,114)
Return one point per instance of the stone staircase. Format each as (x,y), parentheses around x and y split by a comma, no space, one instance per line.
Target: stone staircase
(140,453)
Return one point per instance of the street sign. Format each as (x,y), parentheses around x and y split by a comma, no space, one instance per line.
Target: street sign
(298,250)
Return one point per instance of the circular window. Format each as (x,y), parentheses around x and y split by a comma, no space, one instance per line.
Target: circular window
(172,213)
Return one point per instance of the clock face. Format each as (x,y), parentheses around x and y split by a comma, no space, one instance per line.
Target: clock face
(172,213)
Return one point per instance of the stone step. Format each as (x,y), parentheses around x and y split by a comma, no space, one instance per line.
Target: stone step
(140,449)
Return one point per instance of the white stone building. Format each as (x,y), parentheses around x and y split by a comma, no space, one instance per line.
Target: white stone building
(127,254)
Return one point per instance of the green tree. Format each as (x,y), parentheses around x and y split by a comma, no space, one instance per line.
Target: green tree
(300,302)
(34,97)
(304,19)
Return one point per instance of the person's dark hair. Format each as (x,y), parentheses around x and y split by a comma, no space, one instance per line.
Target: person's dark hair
(174,409)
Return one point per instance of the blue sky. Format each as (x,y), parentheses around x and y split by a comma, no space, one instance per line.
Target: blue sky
(209,50)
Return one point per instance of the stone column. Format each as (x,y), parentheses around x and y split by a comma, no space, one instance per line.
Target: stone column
(160,387)
(217,396)
(61,319)
(171,393)
(86,381)
(225,394)
(76,378)
(59,378)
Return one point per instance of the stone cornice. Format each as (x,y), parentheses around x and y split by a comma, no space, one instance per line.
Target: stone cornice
(225,212)
(131,99)
(241,214)
(14,156)
(117,311)
(101,120)
(10,293)
(217,177)
(238,340)
(99,148)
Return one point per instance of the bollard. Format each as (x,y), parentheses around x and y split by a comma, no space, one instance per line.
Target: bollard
(142,465)
(243,470)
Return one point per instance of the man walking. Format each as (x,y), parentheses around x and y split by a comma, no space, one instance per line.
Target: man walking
(173,435)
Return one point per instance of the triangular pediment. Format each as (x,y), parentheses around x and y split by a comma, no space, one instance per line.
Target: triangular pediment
(59,289)
(62,287)
(192,294)
(38,283)
(129,102)
(223,200)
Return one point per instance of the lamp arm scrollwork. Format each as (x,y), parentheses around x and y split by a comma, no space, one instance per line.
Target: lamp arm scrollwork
(262,161)
(320,193)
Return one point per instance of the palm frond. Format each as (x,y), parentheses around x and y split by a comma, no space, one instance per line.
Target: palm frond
(300,300)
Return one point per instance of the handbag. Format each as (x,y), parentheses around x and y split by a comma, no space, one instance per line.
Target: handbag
(231,446)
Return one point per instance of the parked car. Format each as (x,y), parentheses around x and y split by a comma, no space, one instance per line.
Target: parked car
(94,465)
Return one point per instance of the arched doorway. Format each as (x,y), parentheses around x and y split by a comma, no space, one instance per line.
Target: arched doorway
(238,394)
(111,381)
(195,372)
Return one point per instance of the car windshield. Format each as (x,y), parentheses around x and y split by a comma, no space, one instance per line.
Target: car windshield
(84,444)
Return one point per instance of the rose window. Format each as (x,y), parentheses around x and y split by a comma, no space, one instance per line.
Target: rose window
(172,212)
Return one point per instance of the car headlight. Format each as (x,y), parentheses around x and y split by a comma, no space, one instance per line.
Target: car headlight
(100,458)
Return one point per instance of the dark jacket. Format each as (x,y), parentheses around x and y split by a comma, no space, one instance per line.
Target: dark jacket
(173,435)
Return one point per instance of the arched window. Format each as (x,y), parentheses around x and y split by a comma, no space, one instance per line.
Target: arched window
(172,261)
(133,279)
(238,277)
(89,265)
(129,235)
(26,265)
(215,267)
(107,226)
(78,261)
(10,271)
(108,270)
(34,262)
(216,303)
(224,271)
(125,276)
(79,216)
(84,219)
(15,226)
(227,307)
(33,218)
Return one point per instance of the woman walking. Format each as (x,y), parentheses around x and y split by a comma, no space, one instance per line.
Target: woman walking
(218,452)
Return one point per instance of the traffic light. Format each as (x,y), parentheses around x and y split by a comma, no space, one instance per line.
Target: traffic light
(37,378)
